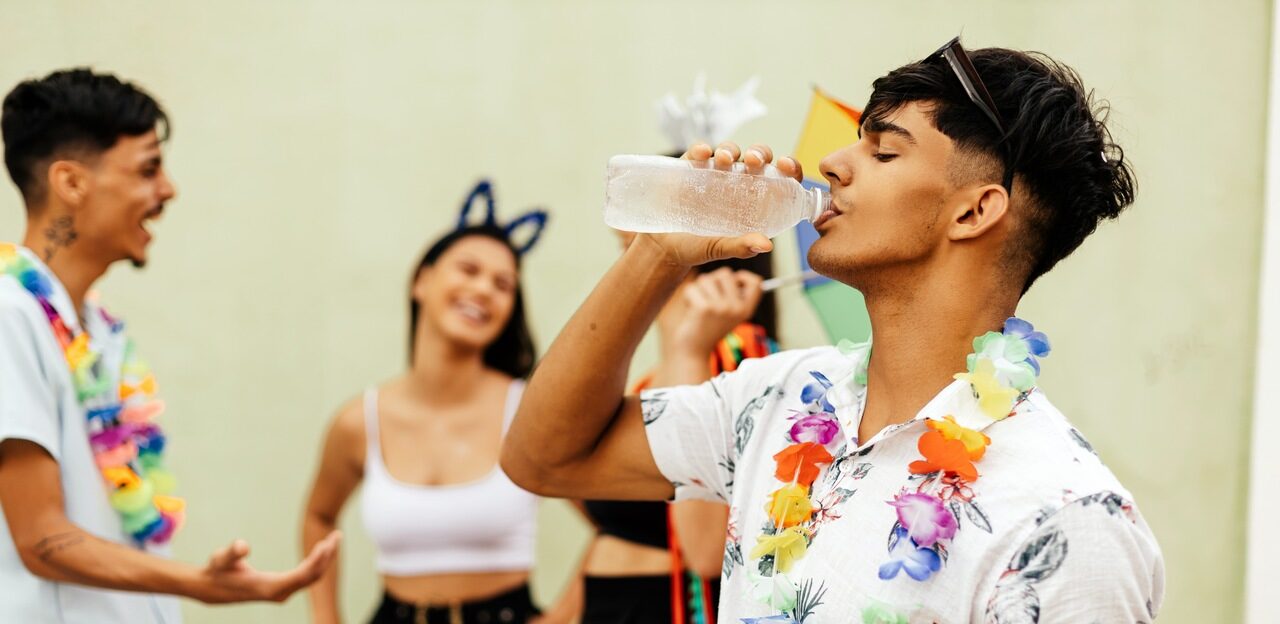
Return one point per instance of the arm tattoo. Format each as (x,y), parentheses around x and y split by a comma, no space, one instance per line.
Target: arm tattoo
(60,234)
(47,547)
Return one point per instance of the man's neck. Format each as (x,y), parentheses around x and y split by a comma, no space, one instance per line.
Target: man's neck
(921,337)
(67,260)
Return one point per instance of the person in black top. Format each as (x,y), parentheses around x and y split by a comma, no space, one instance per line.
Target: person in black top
(654,562)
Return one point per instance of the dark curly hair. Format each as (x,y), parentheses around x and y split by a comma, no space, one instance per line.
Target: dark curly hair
(512,352)
(1068,173)
(70,111)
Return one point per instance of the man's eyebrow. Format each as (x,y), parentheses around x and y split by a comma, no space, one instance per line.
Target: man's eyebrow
(880,126)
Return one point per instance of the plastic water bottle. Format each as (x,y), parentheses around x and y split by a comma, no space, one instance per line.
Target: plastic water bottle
(661,194)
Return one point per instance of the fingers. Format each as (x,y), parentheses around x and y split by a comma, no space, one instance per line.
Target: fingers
(725,292)
(228,557)
(310,569)
(324,552)
(757,156)
(791,167)
(726,154)
(698,151)
(290,582)
(218,559)
(740,289)
(765,152)
(720,283)
(747,246)
(696,297)
(719,298)
(751,287)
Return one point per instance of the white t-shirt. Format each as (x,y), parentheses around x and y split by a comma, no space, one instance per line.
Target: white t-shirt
(38,403)
(1045,534)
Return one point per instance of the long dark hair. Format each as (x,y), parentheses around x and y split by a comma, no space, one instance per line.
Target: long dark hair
(512,352)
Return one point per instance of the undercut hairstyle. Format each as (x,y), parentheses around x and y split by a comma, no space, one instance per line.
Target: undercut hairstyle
(512,352)
(70,113)
(1069,174)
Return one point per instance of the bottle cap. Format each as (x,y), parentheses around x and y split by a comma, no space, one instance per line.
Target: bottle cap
(821,201)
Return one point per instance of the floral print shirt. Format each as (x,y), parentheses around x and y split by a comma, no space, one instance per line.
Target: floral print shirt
(1047,534)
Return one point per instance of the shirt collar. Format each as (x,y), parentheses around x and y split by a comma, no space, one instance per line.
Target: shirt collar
(957,401)
(848,397)
(848,394)
(58,296)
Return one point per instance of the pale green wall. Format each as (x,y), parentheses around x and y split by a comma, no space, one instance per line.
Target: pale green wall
(318,146)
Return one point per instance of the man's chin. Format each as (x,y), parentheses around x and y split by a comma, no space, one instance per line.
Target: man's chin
(138,260)
(821,259)
(828,263)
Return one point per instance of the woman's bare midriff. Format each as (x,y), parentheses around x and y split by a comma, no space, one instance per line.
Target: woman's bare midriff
(446,589)
(610,556)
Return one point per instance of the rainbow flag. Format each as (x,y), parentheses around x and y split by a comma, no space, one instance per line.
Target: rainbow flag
(829,126)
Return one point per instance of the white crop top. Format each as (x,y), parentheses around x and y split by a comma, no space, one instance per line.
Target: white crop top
(485,525)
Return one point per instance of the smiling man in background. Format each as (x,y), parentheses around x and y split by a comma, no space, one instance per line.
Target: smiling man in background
(87,501)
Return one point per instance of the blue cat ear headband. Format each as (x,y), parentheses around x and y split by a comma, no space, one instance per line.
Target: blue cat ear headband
(535,219)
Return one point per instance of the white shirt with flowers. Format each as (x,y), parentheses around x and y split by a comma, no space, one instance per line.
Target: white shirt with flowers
(1044,533)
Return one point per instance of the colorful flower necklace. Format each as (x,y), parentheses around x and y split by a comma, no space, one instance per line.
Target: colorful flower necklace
(1001,372)
(127,445)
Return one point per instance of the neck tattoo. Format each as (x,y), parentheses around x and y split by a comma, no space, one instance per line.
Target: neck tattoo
(61,233)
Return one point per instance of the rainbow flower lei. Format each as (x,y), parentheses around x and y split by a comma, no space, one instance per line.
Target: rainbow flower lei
(1001,372)
(127,444)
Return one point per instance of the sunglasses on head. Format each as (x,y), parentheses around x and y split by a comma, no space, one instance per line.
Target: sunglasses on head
(962,66)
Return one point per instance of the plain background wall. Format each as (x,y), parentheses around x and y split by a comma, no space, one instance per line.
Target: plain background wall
(319,146)
(1263,542)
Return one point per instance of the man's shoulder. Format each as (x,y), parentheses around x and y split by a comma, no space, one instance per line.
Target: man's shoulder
(16,304)
(824,359)
(1039,431)
(1044,463)
(757,383)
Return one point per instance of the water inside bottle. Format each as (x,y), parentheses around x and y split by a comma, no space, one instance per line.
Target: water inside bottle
(656,196)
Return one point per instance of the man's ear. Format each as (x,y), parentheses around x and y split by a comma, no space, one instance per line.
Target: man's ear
(69,182)
(980,211)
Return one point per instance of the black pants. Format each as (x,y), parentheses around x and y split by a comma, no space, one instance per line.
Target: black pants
(627,600)
(513,607)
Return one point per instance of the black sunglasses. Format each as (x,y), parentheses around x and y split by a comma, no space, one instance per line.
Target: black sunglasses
(959,62)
